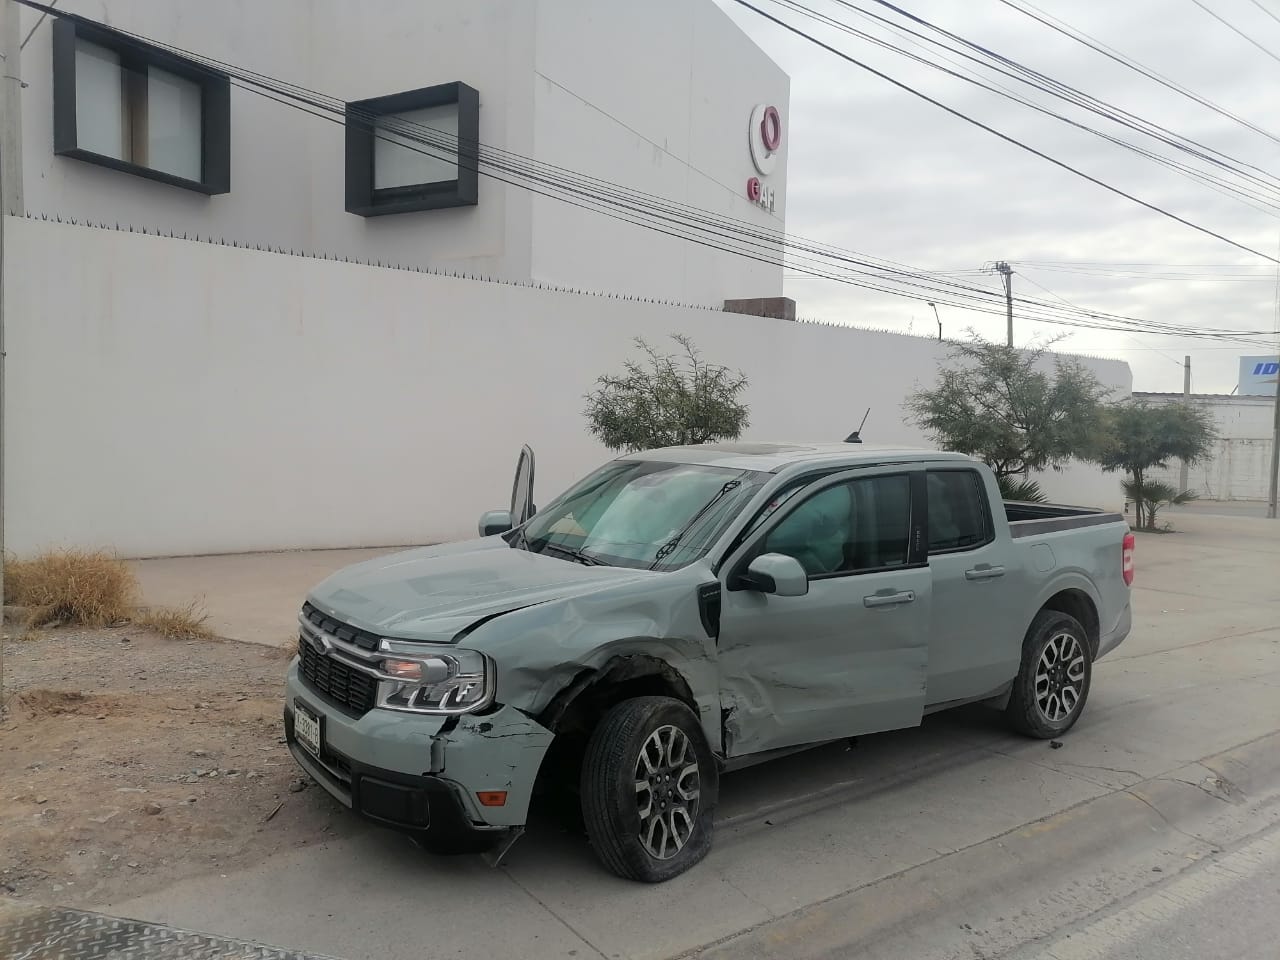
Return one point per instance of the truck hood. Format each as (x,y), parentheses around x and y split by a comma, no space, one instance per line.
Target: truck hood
(434,593)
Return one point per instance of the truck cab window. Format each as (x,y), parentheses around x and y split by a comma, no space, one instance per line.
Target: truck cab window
(957,511)
(852,527)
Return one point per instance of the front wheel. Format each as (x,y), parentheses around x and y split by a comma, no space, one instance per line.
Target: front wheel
(1053,682)
(649,789)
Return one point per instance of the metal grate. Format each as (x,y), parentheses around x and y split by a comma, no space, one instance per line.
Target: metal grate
(50,933)
(337,682)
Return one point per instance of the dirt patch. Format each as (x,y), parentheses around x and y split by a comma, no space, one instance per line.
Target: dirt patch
(131,761)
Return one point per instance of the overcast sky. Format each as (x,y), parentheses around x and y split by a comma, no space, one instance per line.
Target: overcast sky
(874,169)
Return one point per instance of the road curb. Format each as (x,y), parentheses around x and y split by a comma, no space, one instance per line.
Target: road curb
(1131,838)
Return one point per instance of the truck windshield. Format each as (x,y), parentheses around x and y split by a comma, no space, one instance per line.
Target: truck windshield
(641,513)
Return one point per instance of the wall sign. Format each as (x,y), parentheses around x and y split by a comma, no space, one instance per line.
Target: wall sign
(764,137)
(1258,376)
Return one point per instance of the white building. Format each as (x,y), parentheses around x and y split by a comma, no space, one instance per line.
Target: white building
(1239,465)
(655,99)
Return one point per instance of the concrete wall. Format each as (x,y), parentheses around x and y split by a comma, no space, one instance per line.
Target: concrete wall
(672,122)
(1239,465)
(287,167)
(653,96)
(169,397)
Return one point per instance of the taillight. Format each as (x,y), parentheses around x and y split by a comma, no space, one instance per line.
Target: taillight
(1126,561)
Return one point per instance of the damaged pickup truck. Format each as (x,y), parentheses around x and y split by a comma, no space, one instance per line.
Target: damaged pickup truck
(687,611)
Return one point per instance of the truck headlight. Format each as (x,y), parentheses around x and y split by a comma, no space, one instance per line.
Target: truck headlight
(460,681)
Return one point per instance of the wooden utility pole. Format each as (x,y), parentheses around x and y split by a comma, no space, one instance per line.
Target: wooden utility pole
(1186,398)
(1006,273)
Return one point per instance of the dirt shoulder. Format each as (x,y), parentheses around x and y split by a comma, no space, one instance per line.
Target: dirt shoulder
(128,761)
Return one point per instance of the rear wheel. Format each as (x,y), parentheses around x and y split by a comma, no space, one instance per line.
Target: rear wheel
(1053,682)
(649,789)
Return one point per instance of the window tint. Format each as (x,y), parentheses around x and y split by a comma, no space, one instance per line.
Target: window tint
(860,525)
(957,512)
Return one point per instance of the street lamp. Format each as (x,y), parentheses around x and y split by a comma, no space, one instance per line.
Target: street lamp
(939,319)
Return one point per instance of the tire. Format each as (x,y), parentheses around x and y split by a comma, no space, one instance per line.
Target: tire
(655,741)
(1056,650)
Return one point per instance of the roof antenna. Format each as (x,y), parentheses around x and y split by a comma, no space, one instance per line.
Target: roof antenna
(856,436)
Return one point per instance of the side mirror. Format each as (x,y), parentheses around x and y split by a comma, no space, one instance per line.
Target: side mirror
(495,521)
(778,574)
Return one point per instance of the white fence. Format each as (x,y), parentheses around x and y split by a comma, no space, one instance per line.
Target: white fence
(175,397)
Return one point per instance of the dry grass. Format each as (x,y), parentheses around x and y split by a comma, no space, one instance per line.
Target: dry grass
(92,588)
(180,623)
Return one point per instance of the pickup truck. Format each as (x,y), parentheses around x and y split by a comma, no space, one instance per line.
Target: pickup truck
(683,612)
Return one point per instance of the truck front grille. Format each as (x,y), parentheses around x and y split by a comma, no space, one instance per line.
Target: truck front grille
(343,631)
(331,678)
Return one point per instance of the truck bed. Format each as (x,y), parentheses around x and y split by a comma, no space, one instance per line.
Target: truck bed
(1032,519)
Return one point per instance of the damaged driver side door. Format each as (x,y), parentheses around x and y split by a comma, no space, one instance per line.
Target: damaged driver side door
(851,655)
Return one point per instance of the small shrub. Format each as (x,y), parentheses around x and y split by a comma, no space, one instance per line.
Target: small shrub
(92,588)
(667,400)
(176,623)
(1151,496)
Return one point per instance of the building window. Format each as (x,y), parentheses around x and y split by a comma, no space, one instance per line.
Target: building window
(133,107)
(412,151)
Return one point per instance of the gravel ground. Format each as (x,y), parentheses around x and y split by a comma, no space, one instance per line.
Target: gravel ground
(130,761)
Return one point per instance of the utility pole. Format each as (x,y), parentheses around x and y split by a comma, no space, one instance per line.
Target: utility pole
(1006,273)
(1186,398)
(10,202)
(936,317)
(1275,455)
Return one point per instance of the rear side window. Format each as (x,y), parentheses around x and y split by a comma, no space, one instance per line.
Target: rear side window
(958,517)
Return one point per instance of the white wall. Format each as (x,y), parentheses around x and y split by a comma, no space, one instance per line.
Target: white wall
(655,99)
(666,113)
(169,397)
(287,168)
(1238,466)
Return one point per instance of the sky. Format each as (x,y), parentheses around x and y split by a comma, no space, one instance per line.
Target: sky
(873,169)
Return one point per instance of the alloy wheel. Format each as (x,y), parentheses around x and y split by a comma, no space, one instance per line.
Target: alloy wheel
(1060,677)
(667,781)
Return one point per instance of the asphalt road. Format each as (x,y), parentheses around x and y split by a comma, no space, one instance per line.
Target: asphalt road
(1153,830)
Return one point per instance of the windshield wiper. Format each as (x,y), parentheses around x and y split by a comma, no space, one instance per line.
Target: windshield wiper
(572,553)
(667,548)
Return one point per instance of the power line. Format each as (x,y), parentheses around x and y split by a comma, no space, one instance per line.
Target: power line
(1035,283)
(1262,7)
(1096,45)
(1236,30)
(1020,72)
(1004,136)
(1243,194)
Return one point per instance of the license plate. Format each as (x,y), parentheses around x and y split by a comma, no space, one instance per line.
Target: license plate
(306,729)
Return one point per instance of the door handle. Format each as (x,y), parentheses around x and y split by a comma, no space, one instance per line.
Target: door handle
(984,573)
(889,599)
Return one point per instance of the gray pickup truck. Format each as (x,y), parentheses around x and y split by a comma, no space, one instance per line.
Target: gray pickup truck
(686,611)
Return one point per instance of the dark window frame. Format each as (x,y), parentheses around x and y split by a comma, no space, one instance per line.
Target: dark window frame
(984,506)
(215,104)
(364,200)
(917,529)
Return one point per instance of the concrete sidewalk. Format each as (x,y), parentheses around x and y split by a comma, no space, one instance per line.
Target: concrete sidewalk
(250,596)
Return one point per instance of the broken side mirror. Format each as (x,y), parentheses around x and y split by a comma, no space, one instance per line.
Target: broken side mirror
(778,574)
(494,522)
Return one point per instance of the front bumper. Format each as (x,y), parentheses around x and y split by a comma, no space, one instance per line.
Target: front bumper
(420,773)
